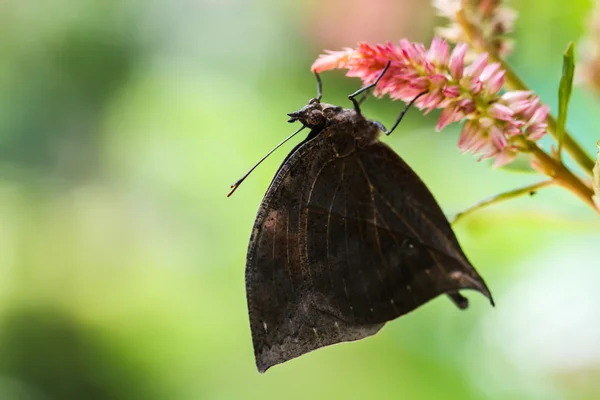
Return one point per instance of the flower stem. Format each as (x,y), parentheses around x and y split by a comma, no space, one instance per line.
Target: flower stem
(560,174)
(513,82)
(502,197)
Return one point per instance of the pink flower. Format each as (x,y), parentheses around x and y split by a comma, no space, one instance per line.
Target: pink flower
(463,92)
(492,19)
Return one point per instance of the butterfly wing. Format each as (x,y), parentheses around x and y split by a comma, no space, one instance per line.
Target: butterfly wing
(342,244)
(405,252)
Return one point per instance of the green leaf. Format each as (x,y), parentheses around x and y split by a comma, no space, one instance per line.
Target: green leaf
(564,92)
(596,179)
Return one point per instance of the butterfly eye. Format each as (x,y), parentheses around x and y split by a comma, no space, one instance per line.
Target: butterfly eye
(314,118)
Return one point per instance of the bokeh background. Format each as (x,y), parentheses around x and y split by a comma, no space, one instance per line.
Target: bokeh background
(122,125)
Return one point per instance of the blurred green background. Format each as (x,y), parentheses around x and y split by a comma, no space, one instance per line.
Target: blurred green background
(122,125)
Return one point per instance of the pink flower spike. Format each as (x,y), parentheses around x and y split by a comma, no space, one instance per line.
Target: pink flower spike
(457,60)
(462,92)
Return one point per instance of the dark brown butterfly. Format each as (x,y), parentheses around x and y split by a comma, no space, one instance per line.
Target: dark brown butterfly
(347,238)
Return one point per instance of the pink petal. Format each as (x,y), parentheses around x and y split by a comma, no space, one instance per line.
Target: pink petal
(476,68)
(475,86)
(489,70)
(421,83)
(438,79)
(504,158)
(495,83)
(519,106)
(468,135)
(536,132)
(512,131)
(486,122)
(540,115)
(332,60)
(432,100)
(438,52)
(457,60)
(534,105)
(484,145)
(500,111)
(488,151)
(516,95)
(497,137)
(447,116)
(451,91)
(466,105)
(410,52)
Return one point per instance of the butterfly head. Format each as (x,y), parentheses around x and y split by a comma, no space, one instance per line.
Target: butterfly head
(316,115)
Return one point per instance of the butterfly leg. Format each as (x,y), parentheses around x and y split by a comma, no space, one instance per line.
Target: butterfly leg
(363,98)
(364,89)
(320,89)
(384,130)
(319,86)
(459,300)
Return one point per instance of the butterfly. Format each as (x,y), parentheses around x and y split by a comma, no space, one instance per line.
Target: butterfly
(347,238)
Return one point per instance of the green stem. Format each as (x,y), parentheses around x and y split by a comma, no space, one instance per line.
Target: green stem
(557,171)
(513,82)
(502,197)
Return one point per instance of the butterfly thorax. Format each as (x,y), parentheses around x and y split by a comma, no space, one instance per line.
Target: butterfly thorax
(348,123)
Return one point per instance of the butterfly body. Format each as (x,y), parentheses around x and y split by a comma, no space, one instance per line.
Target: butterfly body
(347,238)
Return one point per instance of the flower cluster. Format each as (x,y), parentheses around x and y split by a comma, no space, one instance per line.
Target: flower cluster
(492,19)
(463,91)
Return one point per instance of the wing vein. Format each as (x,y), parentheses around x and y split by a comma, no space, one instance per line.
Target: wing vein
(418,237)
(329,222)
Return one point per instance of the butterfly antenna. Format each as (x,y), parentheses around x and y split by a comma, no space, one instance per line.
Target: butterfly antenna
(239,181)
(364,89)
(401,115)
(319,86)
